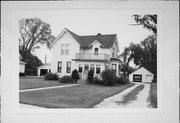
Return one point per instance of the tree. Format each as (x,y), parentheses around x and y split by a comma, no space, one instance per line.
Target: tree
(127,57)
(75,76)
(147,21)
(145,53)
(32,62)
(33,33)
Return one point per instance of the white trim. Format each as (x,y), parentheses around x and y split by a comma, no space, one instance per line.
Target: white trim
(60,35)
(141,68)
(94,43)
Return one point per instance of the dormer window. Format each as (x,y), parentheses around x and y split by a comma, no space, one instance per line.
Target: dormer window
(95,51)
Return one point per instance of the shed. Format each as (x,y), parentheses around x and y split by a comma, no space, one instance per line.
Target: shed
(44,69)
(141,75)
(22,66)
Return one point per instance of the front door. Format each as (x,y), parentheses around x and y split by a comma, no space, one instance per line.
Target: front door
(86,69)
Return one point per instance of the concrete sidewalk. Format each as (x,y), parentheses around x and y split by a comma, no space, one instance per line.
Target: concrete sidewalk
(52,87)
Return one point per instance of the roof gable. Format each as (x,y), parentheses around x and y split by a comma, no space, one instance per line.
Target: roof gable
(142,70)
(107,40)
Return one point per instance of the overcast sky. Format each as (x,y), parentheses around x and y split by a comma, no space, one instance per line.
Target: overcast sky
(91,22)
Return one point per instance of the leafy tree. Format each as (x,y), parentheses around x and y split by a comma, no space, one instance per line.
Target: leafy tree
(147,21)
(145,54)
(32,63)
(33,33)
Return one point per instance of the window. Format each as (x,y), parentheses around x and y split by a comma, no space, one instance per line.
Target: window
(92,67)
(98,69)
(65,49)
(107,67)
(114,67)
(80,68)
(68,68)
(113,53)
(96,51)
(59,68)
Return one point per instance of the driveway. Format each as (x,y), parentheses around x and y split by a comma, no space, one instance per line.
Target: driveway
(141,100)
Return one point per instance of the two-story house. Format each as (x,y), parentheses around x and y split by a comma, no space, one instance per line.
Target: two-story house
(92,52)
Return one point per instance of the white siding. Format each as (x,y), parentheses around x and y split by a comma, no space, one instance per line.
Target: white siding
(21,68)
(56,53)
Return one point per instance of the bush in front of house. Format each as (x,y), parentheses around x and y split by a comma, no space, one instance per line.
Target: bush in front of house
(122,80)
(75,76)
(51,76)
(90,76)
(96,80)
(109,77)
(66,79)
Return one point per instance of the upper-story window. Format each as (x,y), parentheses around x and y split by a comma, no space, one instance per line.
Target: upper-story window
(65,49)
(95,51)
(113,53)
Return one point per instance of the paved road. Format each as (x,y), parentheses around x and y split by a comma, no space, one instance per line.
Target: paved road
(141,102)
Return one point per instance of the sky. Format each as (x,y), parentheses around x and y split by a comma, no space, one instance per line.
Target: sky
(91,22)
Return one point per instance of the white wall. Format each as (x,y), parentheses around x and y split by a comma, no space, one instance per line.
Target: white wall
(56,53)
(21,68)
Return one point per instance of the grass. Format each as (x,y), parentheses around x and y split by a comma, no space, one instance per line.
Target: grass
(131,95)
(30,83)
(80,96)
(153,95)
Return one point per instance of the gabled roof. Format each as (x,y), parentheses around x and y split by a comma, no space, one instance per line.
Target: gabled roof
(142,70)
(85,41)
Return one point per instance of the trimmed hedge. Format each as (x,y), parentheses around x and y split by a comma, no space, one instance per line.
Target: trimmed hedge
(122,80)
(109,77)
(51,76)
(66,79)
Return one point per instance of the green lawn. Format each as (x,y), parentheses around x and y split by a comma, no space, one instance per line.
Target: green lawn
(29,83)
(80,96)
(153,95)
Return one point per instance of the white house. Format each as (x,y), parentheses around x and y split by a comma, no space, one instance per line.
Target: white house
(21,65)
(96,52)
(141,75)
(44,69)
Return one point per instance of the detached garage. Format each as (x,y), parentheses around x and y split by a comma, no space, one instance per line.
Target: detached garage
(44,69)
(141,75)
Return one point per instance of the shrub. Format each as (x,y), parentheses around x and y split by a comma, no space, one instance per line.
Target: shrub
(90,76)
(96,80)
(109,77)
(66,79)
(75,75)
(51,76)
(122,80)
(22,74)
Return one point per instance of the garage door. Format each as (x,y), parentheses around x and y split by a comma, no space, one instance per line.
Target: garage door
(43,72)
(137,78)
